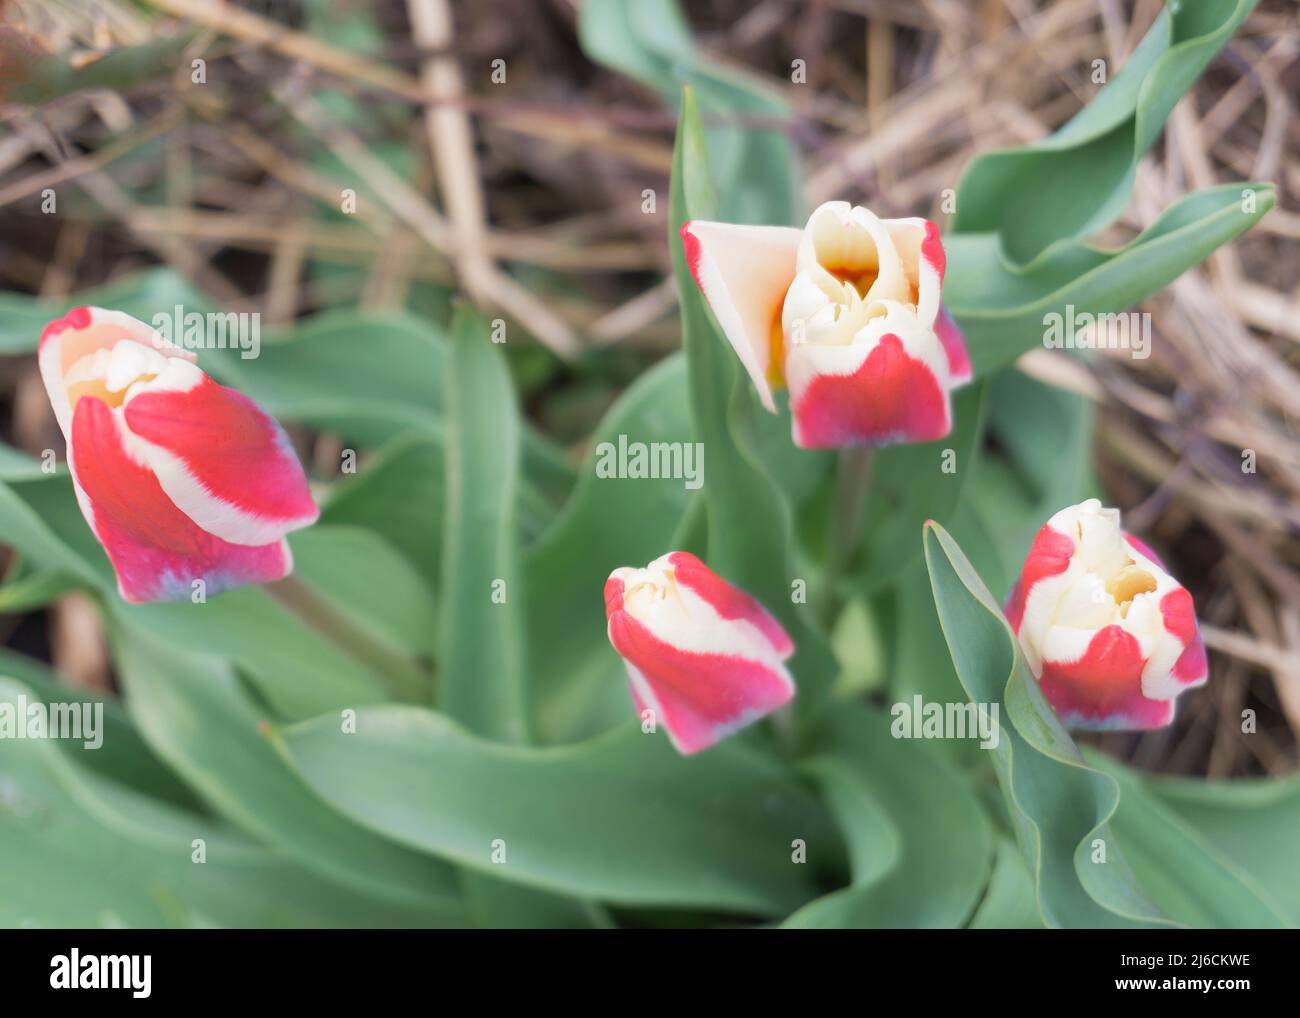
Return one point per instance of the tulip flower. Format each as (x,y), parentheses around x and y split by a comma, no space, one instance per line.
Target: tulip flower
(1110,635)
(846,313)
(180,479)
(703,656)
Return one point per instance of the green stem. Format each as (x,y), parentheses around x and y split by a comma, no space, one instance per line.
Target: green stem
(403,676)
(852,479)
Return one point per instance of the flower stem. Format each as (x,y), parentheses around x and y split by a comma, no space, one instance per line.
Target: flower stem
(404,677)
(852,480)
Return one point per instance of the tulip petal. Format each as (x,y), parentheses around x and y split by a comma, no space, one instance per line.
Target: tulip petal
(1102,689)
(954,345)
(744,273)
(1048,556)
(156,550)
(920,251)
(1192,667)
(700,698)
(78,336)
(729,602)
(225,462)
(889,397)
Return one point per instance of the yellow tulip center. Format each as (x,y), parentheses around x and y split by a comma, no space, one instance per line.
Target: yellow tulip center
(1127,584)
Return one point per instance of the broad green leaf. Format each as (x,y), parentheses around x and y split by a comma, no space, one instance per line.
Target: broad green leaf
(141,295)
(122,756)
(368,376)
(1058,804)
(295,667)
(1002,309)
(621,818)
(910,484)
(919,840)
(1185,874)
(16,465)
(196,715)
(78,850)
(397,494)
(1254,823)
(1046,435)
(749,521)
(499,905)
(34,589)
(481,678)
(1009,898)
(39,518)
(1043,463)
(1084,172)
(650,41)
(362,577)
(578,682)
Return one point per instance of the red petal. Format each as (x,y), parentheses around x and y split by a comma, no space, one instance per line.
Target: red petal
(699,698)
(156,550)
(892,397)
(1180,619)
(228,464)
(1103,689)
(1049,555)
(728,601)
(954,345)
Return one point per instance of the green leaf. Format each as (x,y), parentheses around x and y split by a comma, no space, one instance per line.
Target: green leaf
(39,518)
(397,494)
(123,756)
(920,842)
(368,376)
(578,682)
(294,668)
(1185,874)
(746,510)
(1255,824)
(1001,309)
(365,579)
(78,850)
(34,590)
(1059,805)
(141,295)
(650,41)
(481,630)
(1084,172)
(914,483)
(16,465)
(1009,898)
(195,714)
(621,818)
(297,671)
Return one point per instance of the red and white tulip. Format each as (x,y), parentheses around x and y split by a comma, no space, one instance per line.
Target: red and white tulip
(703,656)
(1110,635)
(180,479)
(845,312)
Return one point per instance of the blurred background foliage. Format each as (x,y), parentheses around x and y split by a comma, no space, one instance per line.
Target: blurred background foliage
(536,188)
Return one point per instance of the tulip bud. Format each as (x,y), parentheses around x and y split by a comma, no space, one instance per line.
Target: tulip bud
(1109,634)
(180,479)
(703,656)
(846,312)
